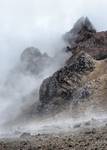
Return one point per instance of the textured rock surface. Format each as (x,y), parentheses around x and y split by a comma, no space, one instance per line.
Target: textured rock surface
(61,87)
(83,36)
(83,79)
(82,30)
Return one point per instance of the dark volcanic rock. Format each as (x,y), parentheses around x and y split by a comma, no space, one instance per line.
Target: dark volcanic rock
(59,89)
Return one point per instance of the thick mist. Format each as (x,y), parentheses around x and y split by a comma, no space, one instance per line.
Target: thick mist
(40,24)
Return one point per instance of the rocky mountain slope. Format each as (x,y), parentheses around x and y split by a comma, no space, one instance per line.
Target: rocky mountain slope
(83,79)
(79,86)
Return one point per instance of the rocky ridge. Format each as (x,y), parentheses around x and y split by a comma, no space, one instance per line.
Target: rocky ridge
(83,79)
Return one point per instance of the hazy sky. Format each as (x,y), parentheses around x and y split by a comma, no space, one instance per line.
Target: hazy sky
(41,22)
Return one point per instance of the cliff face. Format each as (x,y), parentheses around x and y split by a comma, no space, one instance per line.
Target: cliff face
(83,79)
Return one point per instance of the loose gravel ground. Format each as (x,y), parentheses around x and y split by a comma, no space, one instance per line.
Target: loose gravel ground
(82,139)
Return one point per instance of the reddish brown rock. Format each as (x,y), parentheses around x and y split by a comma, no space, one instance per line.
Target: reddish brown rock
(84,37)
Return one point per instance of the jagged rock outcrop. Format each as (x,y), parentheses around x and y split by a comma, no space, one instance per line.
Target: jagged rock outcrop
(61,87)
(82,30)
(33,61)
(83,79)
(83,36)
